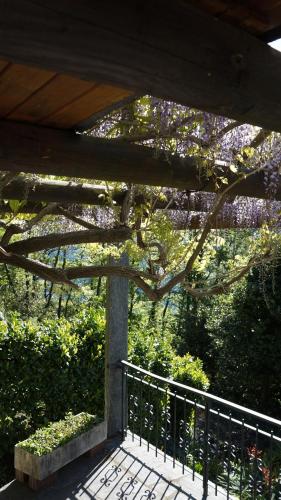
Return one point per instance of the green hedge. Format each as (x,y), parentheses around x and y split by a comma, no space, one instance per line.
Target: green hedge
(47,370)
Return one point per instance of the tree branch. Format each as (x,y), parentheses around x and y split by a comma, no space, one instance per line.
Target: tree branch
(225,285)
(33,266)
(54,240)
(68,215)
(13,229)
(171,131)
(65,276)
(207,228)
(230,126)
(260,138)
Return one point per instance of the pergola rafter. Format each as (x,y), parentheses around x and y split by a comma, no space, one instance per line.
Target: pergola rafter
(41,150)
(70,193)
(78,201)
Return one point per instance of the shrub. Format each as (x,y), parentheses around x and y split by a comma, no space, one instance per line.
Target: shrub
(151,349)
(189,371)
(47,370)
(56,434)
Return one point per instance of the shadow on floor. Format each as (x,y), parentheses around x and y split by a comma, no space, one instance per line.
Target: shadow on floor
(117,472)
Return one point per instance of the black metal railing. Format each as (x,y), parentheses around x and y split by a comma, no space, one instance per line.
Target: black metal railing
(227,444)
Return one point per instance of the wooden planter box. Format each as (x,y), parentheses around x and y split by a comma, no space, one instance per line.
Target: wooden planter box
(38,471)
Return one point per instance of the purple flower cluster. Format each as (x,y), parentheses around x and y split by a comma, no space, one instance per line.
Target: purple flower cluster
(215,139)
(242,212)
(271,173)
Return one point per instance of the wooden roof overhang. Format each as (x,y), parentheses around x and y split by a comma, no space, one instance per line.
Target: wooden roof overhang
(39,96)
(261,18)
(62,64)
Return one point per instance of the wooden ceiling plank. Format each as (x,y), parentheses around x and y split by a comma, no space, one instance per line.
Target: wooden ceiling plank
(90,121)
(18,83)
(51,98)
(214,7)
(95,100)
(166,49)
(254,25)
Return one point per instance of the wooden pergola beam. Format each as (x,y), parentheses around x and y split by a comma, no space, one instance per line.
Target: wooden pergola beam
(57,191)
(187,221)
(35,149)
(229,221)
(42,150)
(42,190)
(167,49)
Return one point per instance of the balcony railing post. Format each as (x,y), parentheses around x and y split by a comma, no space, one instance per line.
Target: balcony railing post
(206,448)
(124,401)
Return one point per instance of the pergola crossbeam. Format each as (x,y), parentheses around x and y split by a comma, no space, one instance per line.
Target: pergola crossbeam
(40,150)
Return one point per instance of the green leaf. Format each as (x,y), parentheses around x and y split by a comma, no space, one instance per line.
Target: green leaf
(233,169)
(223,180)
(16,205)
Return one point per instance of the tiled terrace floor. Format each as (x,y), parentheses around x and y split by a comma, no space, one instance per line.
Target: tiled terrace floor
(121,471)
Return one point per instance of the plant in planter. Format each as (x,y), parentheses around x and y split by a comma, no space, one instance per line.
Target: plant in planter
(50,448)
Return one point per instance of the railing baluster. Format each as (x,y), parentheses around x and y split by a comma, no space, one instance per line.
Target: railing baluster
(166,423)
(141,405)
(217,444)
(133,407)
(157,419)
(124,393)
(279,484)
(174,428)
(149,414)
(184,434)
(242,458)
(270,466)
(194,440)
(206,449)
(256,463)
(229,453)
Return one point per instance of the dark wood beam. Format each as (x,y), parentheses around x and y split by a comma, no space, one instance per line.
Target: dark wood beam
(229,221)
(35,149)
(167,49)
(57,191)
(29,148)
(80,193)
(185,221)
